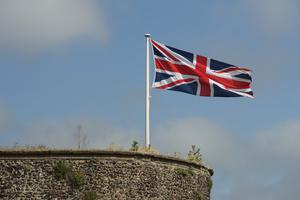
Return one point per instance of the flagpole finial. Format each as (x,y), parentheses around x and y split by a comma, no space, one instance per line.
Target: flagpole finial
(147,35)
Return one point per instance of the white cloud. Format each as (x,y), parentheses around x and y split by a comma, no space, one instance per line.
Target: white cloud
(35,25)
(178,136)
(279,143)
(265,166)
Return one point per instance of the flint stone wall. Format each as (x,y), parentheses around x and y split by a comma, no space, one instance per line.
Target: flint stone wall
(109,174)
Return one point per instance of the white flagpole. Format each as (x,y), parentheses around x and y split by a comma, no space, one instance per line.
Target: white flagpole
(147,125)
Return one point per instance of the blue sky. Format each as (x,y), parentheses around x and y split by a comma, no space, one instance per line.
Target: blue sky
(65,63)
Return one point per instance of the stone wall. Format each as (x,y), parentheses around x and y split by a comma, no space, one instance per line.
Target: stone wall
(101,175)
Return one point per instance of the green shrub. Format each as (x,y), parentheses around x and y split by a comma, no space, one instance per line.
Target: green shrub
(90,195)
(64,171)
(194,155)
(134,146)
(76,179)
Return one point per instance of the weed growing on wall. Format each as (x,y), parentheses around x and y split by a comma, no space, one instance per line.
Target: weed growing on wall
(64,171)
(135,146)
(194,155)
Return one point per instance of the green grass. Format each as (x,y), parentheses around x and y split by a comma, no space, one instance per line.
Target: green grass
(64,171)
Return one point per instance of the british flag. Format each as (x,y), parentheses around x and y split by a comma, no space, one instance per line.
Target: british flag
(182,71)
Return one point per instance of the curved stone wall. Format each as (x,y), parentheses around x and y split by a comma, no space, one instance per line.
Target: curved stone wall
(100,175)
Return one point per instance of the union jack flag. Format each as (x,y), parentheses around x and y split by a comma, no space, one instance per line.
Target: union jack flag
(182,71)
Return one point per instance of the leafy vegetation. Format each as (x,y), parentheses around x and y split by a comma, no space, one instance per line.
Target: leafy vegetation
(194,155)
(64,171)
(134,146)
(76,179)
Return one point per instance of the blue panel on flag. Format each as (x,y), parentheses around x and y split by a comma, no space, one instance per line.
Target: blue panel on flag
(219,92)
(187,88)
(161,76)
(244,76)
(157,53)
(217,65)
(250,93)
(189,56)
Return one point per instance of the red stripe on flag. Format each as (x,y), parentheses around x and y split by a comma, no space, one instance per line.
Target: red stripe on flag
(168,66)
(201,65)
(229,83)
